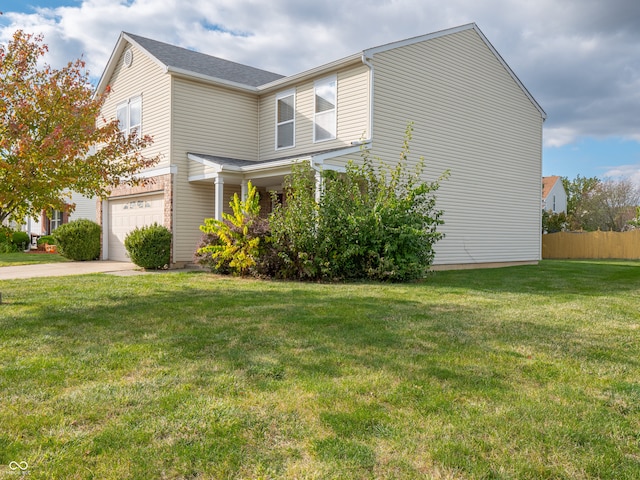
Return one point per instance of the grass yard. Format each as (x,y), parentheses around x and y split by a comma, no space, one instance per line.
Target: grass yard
(21,258)
(519,373)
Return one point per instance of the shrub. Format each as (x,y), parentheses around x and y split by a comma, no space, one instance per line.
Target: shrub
(12,240)
(294,227)
(46,239)
(149,247)
(6,246)
(204,255)
(20,240)
(235,243)
(372,222)
(554,222)
(78,240)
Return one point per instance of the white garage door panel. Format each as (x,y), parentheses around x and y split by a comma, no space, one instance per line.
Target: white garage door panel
(126,214)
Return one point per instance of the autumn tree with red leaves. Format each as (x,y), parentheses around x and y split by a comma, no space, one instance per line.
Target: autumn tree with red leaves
(53,139)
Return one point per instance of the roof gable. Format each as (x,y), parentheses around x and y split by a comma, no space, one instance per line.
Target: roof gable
(180,60)
(368,53)
(547,185)
(190,61)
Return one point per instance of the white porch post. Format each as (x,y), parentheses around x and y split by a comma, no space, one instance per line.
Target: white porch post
(318,185)
(219,181)
(244,190)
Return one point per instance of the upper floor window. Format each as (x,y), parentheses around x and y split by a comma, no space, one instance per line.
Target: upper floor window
(285,119)
(129,115)
(324,120)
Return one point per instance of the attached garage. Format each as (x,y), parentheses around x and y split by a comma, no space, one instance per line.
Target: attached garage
(128,213)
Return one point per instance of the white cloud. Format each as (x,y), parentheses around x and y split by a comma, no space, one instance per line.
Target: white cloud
(631,172)
(577,57)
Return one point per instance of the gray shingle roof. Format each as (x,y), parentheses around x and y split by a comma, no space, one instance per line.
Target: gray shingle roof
(203,64)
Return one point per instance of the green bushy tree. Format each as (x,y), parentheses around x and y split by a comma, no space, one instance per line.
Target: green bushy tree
(554,222)
(373,221)
(294,225)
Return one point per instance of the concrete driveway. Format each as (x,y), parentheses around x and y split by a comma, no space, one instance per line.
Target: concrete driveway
(66,268)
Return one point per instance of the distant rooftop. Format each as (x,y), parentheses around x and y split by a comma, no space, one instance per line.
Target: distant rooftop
(547,184)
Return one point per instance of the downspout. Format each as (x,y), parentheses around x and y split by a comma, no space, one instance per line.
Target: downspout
(367,62)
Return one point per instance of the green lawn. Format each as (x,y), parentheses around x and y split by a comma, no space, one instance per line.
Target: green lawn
(516,373)
(21,258)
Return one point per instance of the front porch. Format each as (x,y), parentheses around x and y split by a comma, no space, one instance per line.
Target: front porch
(267,175)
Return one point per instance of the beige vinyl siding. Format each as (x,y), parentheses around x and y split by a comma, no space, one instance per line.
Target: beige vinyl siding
(201,195)
(214,120)
(352,114)
(85,207)
(144,78)
(472,119)
(210,120)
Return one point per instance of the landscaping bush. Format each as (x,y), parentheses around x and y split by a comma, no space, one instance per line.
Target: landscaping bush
(78,240)
(203,255)
(12,240)
(237,243)
(372,222)
(20,240)
(150,246)
(46,240)
(6,246)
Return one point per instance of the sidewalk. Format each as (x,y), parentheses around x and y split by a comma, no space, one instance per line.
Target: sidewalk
(64,268)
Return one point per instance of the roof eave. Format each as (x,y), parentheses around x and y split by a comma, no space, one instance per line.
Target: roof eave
(285,81)
(123,39)
(111,65)
(210,80)
(543,114)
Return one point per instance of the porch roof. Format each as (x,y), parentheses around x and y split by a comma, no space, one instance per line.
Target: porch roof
(205,166)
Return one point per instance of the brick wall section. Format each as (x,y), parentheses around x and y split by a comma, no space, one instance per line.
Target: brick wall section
(159,184)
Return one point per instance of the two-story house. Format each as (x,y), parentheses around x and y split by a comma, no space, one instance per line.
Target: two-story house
(218,124)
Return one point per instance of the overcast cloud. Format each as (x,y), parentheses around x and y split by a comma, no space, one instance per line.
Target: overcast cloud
(579,58)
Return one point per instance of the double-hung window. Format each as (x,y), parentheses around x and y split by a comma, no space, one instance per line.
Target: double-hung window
(129,115)
(285,119)
(56,220)
(324,119)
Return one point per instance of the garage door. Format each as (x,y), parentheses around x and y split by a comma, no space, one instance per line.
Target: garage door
(126,214)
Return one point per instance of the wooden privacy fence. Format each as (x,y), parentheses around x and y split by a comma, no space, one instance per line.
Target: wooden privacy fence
(619,245)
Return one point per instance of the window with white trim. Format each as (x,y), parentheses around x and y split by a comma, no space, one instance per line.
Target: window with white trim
(285,119)
(324,118)
(129,115)
(56,220)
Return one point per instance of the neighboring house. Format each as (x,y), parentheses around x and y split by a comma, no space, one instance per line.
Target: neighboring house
(48,221)
(218,124)
(554,196)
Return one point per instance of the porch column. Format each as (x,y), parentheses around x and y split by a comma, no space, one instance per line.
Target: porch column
(244,190)
(219,201)
(318,185)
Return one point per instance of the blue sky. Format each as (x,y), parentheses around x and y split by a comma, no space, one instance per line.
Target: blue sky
(578,58)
